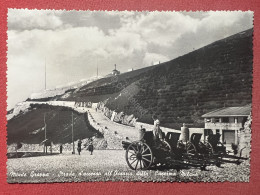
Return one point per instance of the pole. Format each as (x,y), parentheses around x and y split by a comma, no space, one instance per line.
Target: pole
(45,133)
(73,145)
(45,75)
(97,69)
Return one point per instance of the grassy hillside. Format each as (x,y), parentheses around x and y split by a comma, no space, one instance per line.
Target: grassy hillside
(182,89)
(217,75)
(108,87)
(178,91)
(29,127)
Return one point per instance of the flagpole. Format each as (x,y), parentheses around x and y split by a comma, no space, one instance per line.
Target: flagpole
(45,75)
(72,128)
(45,133)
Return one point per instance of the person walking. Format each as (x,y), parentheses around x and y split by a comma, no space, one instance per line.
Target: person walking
(91,147)
(79,146)
(61,147)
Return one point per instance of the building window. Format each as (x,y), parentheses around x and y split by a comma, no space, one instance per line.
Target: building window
(217,120)
(217,131)
(232,120)
(225,120)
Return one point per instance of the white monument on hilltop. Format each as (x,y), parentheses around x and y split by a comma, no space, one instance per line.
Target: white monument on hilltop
(115,71)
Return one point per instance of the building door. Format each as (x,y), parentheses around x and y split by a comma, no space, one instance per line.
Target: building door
(228,136)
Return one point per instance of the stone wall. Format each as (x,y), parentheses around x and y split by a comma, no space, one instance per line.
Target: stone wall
(118,117)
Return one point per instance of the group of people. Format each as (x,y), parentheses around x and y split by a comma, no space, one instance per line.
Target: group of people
(157,136)
(90,146)
(79,148)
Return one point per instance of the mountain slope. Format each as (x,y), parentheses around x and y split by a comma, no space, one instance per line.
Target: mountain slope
(182,89)
(178,91)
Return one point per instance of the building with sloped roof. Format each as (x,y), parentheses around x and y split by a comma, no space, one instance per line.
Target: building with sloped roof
(227,122)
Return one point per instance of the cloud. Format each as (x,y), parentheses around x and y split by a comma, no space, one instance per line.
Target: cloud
(75,43)
(214,26)
(160,28)
(19,19)
(71,54)
(102,20)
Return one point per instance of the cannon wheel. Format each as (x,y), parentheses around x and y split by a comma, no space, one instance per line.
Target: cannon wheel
(210,149)
(191,149)
(167,146)
(211,152)
(139,156)
(161,153)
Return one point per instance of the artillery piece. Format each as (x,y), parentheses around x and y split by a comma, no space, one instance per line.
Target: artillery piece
(173,152)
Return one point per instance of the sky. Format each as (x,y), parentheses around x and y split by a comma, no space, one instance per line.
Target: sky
(74,43)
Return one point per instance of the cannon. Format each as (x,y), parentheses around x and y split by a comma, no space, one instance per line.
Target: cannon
(144,153)
(172,152)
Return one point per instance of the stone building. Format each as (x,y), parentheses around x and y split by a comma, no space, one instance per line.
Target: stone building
(227,122)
